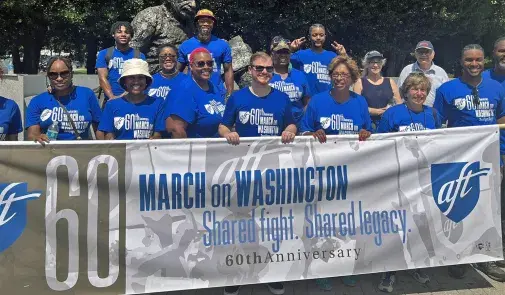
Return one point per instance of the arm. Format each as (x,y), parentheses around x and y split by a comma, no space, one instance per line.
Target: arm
(109,136)
(396,92)
(358,87)
(177,126)
(228,78)
(288,135)
(156,135)
(35,134)
(232,137)
(182,59)
(103,74)
(376,112)
(16,124)
(439,105)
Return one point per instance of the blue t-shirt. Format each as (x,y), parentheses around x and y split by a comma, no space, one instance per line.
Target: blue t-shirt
(161,86)
(323,112)
(315,66)
(115,66)
(258,116)
(202,110)
(399,118)
(219,50)
(81,104)
(133,121)
(296,87)
(10,118)
(454,102)
(500,79)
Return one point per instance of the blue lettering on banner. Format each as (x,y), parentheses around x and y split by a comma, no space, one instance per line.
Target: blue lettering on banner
(13,201)
(456,188)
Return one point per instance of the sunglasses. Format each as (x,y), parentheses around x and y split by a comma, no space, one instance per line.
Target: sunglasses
(55,75)
(201,64)
(165,56)
(475,94)
(260,69)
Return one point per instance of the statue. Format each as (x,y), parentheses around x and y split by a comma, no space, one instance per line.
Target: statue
(169,23)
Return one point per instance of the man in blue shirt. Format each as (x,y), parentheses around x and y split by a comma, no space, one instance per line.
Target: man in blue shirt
(472,100)
(219,49)
(498,74)
(109,62)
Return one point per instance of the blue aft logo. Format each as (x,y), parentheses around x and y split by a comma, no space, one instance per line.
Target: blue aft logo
(456,188)
(13,199)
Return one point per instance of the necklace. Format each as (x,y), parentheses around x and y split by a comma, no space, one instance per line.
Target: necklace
(169,75)
(412,119)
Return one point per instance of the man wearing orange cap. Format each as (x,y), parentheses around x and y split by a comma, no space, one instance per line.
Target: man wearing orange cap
(219,49)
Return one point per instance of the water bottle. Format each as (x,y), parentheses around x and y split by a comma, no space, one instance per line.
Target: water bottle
(52,131)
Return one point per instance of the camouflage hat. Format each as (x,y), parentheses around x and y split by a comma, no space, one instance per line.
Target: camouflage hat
(205,13)
(279,43)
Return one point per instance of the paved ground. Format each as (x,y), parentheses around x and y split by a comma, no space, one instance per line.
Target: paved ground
(474,283)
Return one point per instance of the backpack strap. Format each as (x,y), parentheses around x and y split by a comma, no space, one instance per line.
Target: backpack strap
(108,55)
(136,53)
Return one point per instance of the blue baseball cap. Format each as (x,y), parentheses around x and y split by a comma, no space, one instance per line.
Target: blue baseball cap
(425,44)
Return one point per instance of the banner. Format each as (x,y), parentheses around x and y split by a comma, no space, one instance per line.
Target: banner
(132,217)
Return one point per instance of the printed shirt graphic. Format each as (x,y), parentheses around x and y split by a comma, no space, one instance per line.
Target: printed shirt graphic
(399,118)
(133,121)
(315,66)
(490,74)
(202,110)
(296,87)
(258,116)
(161,86)
(219,49)
(323,112)
(454,102)
(82,105)
(115,66)
(10,118)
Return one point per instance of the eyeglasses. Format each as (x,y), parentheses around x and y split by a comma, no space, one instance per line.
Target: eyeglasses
(55,75)
(260,69)
(376,62)
(202,63)
(341,75)
(475,94)
(423,51)
(165,56)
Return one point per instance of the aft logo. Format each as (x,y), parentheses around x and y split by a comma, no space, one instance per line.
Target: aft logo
(456,188)
(13,199)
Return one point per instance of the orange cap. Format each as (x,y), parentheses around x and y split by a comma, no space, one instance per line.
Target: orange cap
(205,13)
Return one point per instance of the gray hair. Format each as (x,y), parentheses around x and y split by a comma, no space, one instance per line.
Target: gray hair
(472,47)
(365,63)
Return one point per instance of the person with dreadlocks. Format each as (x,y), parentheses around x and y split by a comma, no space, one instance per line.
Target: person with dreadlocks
(109,62)
(314,61)
(74,108)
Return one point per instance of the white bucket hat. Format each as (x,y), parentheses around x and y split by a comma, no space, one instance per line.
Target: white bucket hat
(133,67)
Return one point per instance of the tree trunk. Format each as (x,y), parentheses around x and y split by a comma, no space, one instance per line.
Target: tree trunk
(91,50)
(395,63)
(16,59)
(32,45)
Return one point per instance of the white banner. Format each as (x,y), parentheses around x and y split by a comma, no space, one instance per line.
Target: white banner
(205,214)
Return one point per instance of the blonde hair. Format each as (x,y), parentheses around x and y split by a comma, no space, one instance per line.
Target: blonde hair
(349,63)
(414,80)
(257,55)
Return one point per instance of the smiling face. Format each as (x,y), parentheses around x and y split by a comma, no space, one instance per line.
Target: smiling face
(318,37)
(168,59)
(472,62)
(205,26)
(135,84)
(417,94)
(341,77)
(60,76)
(281,57)
(424,57)
(261,70)
(122,36)
(374,66)
(202,65)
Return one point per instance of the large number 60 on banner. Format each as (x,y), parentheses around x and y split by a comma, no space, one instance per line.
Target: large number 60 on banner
(151,216)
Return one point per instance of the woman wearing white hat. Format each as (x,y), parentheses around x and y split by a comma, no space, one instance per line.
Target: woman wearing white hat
(135,115)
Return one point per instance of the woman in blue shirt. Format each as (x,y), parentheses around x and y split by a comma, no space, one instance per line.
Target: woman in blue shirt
(339,110)
(135,115)
(412,115)
(315,60)
(380,93)
(169,77)
(195,109)
(74,108)
(258,110)
(10,117)
(290,81)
